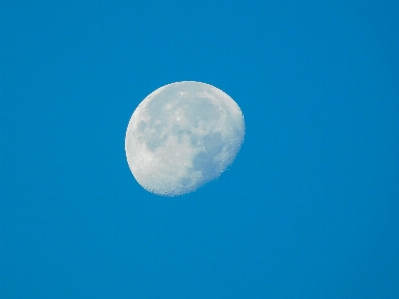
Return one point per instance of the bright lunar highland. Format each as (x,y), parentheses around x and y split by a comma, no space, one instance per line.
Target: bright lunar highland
(181,136)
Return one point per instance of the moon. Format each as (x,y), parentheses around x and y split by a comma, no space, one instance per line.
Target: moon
(182,136)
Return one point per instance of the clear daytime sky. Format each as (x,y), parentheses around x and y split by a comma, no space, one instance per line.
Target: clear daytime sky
(309,208)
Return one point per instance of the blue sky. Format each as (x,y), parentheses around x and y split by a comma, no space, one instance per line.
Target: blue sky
(309,208)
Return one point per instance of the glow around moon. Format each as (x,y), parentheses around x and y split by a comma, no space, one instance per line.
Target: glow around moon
(181,136)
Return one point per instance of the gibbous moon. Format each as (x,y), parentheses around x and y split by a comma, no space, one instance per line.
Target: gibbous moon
(181,136)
